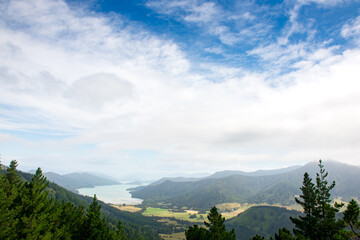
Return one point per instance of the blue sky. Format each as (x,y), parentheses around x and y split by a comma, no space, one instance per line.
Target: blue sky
(155,87)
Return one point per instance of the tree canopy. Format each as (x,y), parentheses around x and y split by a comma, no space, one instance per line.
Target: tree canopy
(215,229)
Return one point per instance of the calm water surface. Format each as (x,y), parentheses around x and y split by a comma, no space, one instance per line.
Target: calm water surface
(116,194)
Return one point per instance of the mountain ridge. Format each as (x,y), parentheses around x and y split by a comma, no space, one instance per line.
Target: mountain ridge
(279,188)
(74,181)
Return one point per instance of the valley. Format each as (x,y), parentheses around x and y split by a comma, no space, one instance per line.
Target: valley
(250,203)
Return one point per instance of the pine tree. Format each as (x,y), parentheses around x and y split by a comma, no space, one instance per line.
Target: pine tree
(12,176)
(120,232)
(94,227)
(284,234)
(319,222)
(327,225)
(196,233)
(35,208)
(351,218)
(8,193)
(215,229)
(306,225)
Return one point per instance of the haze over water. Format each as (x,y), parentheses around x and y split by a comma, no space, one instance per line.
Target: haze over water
(115,194)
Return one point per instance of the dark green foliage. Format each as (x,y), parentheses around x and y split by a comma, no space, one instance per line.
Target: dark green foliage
(215,229)
(216,226)
(120,232)
(196,233)
(319,221)
(257,237)
(94,226)
(306,224)
(351,217)
(261,220)
(28,210)
(284,234)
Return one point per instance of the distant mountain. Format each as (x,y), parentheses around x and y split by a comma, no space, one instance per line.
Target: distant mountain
(2,167)
(228,173)
(90,179)
(225,173)
(262,220)
(75,181)
(175,179)
(272,189)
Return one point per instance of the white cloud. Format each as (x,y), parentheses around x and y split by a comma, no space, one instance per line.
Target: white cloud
(93,92)
(211,19)
(122,91)
(324,2)
(352,30)
(194,11)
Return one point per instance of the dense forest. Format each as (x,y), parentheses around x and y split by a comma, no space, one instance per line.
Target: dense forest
(33,208)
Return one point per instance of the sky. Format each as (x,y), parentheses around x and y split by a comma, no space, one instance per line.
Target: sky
(152,88)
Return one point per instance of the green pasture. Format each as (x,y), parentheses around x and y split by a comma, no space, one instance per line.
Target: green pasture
(166,213)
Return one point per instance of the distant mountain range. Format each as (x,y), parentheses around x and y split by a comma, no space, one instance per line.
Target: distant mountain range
(271,187)
(222,174)
(74,181)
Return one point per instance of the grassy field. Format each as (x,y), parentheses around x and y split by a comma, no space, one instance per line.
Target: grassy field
(174,236)
(183,215)
(230,210)
(168,221)
(128,208)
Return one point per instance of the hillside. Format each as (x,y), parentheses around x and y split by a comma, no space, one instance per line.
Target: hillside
(261,220)
(222,174)
(228,173)
(75,181)
(135,225)
(272,189)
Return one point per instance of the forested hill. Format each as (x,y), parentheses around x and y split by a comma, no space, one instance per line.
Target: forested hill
(75,181)
(222,174)
(271,189)
(228,173)
(135,225)
(261,220)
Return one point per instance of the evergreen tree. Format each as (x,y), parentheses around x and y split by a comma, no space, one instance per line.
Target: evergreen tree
(215,229)
(35,208)
(216,226)
(319,222)
(12,176)
(257,237)
(94,227)
(351,218)
(120,232)
(327,225)
(284,234)
(27,211)
(196,233)
(306,225)
(8,193)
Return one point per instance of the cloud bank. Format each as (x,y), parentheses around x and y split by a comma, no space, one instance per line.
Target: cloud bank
(83,90)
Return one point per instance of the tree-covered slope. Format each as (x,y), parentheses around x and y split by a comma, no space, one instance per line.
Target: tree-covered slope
(75,181)
(208,192)
(271,189)
(135,225)
(261,220)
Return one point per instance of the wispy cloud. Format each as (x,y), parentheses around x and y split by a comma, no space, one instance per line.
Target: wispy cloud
(212,19)
(119,91)
(352,30)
